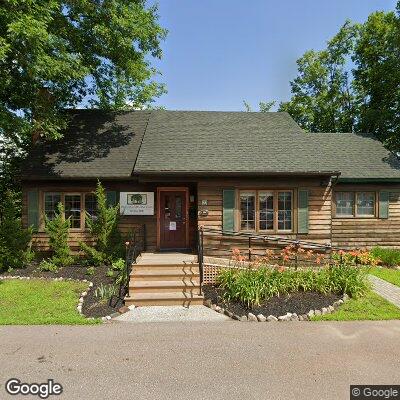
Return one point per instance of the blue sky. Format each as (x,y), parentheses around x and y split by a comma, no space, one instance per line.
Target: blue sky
(221,52)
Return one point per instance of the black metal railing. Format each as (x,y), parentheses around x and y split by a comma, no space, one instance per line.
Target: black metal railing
(200,255)
(134,246)
(257,245)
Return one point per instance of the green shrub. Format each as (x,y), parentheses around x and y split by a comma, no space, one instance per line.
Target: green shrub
(48,265)
(253,286)
(104,230)
(104,292)
(15,249)
(58,230)
(388,257)
(90,271)
(110,273)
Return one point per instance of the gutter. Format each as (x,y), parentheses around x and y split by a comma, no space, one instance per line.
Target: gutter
(234,173)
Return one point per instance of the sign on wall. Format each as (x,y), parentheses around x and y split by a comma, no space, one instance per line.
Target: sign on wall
(136,203)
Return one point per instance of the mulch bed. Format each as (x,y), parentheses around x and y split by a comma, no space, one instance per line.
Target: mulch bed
(299,302)
(92,307)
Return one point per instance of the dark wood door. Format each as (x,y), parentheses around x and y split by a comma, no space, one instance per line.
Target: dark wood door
(173,219)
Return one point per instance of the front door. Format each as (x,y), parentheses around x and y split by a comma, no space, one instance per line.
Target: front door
(173,223)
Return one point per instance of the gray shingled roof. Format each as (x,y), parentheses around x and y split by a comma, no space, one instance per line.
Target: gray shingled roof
(97,144)
(106,145)
(257,143)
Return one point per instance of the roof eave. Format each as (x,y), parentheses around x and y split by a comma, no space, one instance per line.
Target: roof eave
(237,173)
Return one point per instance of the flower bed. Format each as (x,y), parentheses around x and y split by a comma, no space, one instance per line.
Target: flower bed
(260,292)
(298,306)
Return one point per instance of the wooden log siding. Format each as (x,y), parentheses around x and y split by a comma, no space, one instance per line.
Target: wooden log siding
(320,208)
(369,232)
(126,224)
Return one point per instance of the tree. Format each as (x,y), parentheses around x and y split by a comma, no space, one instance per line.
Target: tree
(322,99)
(14,239)
(353,84)
(264,106)
(377,77)
(56,53)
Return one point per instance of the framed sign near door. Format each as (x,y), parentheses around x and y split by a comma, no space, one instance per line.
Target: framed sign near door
(136,203)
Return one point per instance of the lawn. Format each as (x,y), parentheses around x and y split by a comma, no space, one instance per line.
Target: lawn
(40,302)
(388,274)
(369,307)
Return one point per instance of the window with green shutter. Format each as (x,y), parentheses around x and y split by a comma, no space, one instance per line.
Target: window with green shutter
(302,215)
(33,209)
(228,215)
(111,198)
(384,204)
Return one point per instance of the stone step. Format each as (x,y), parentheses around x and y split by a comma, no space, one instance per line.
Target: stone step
(163,299)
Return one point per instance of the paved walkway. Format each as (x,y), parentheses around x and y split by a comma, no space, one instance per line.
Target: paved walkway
(172,314)
(386,290)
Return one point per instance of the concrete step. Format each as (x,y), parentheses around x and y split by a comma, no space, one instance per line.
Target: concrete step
(153,286)
(163,299)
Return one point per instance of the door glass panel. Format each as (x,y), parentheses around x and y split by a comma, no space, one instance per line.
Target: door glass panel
(167,211)
(178,207)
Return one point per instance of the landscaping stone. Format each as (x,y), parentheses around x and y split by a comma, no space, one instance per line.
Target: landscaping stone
(217,308)
(311,313)
(317,312)
(272,318)
(345,297)
(243,318)
(108,317)
(221,310)
(331,309)
(324,311)
(123,309)
(252,318)
(207,303)
(229,313)
(284,318)
(214,307)
(261,318)
(114,315)
(294,317)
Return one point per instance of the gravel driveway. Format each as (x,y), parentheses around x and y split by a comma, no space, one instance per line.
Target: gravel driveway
(201,360)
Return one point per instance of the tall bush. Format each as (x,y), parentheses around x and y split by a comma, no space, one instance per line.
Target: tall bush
(57,229)
(104,230)
(15,249)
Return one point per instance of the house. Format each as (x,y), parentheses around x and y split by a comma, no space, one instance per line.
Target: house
(174,171)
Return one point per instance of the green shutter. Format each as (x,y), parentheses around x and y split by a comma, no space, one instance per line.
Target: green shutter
(228,217)
(111,199)
(33,209)
(383,204)
(302,215)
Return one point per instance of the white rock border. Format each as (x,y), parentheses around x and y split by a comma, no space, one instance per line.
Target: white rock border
(281,318)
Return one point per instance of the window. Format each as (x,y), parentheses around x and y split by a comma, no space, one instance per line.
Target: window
(345,204)
(365,204)
(90,205)
(73,209)
(266,210)
(355,204)
(51,201)
(266,207)
(285,211)
(247,210)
